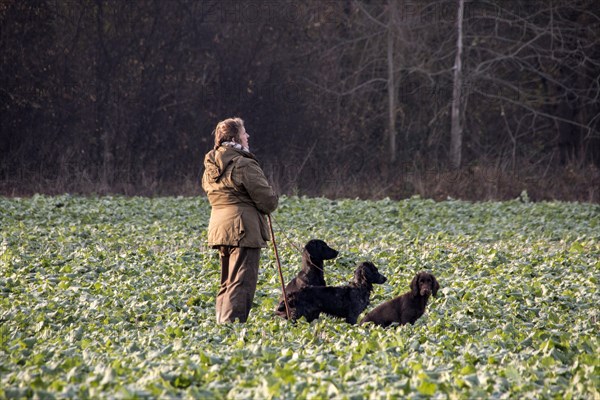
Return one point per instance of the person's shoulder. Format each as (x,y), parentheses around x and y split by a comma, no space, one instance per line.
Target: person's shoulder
(246,159)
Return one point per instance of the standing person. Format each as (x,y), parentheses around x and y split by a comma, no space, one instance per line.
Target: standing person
(240,197)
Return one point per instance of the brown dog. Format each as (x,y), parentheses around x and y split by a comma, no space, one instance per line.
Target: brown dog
(408,307)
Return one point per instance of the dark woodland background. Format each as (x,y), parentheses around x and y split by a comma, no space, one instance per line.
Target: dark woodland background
(344,98)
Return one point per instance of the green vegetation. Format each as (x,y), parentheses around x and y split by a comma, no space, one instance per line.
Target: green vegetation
(113,297)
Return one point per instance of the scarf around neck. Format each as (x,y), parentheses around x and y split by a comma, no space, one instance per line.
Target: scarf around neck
(236,146)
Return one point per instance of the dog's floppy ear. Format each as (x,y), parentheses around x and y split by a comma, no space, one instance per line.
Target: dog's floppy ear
(414,285)
(370,271)
(436,286)
(360,274)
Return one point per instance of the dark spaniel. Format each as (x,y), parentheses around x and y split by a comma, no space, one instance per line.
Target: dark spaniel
(346,302)
(312,272)
(408,307)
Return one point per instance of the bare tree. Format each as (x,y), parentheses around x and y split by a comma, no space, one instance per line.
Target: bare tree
(391,81)
(535,65)
(456,129)
(370,65)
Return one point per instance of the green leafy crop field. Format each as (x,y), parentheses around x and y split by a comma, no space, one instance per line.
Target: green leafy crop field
(113,297)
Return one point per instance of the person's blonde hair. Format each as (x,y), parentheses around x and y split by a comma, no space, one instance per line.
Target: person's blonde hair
(228,130)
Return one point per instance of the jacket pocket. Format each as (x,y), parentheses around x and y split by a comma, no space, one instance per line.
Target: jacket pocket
(226,227)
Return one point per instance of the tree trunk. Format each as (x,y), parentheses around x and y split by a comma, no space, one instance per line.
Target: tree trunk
(391,84)
(456,128)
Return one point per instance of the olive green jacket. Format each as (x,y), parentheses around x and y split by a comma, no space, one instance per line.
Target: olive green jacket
(240,196)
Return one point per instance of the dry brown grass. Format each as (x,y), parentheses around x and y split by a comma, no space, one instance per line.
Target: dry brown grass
(474,183)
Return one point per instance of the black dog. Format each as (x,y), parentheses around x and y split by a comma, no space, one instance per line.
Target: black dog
(312,273)
(340,301)
(408,307)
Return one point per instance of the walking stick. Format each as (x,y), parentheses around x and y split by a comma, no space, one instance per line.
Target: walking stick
(287,308)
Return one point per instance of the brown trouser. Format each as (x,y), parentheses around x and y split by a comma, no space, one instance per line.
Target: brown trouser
(239,275)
